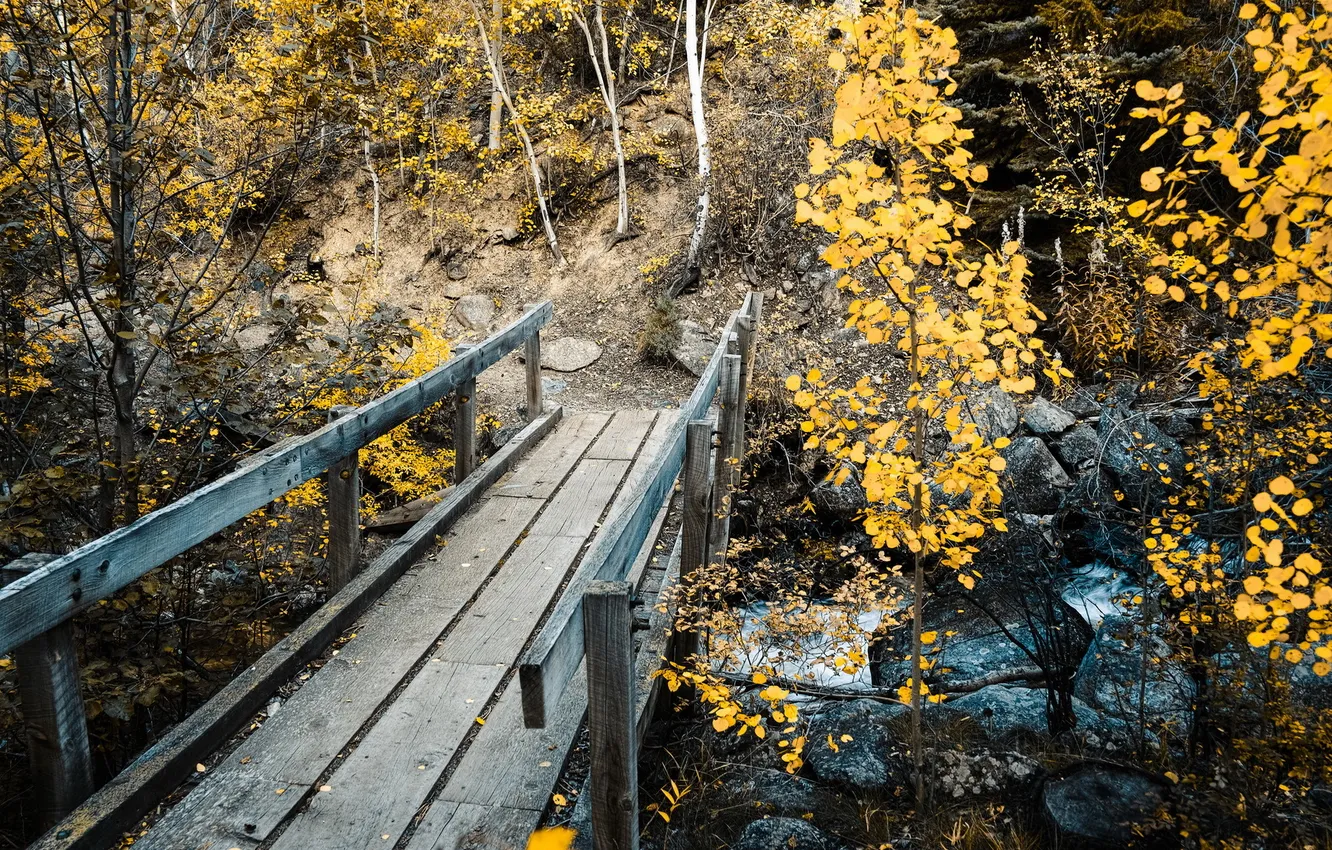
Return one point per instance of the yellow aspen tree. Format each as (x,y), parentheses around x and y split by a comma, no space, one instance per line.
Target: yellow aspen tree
(895,155)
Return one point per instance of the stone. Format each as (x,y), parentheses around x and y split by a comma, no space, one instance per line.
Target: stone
(979,773)
(1110,678)
(569,354)
(1005,711)
(823,278)
(993,411)
(864,761)
(454,289)
(1033,481)
(255,336)
(1103,805)
(1139,455)
(457,271)
(783,834)
(1078,447)
(1085,401)
(553,386)
(475,311)
(509,234)
(844,501)
(1043,416)
(695,347)
(777,791)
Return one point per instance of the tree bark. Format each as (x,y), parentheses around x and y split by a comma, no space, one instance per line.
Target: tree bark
(695,57)
(601,63)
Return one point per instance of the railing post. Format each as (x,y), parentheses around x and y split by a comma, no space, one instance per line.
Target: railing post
(748,331)
(464,427)
(48,679)
(730,435)
(696,498)
(344,513)
(613,746)
(532,357)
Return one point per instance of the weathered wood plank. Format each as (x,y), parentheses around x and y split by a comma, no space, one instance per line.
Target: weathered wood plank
(379,787)
(464,430)
(553,460)
(72,582)
(468,826)
(236,805)
(535,392)
(514,767)
(576,508)
(726,472)
(612,737)
(557,650)
(53,715)
(621,439)
(697,495)
(344,512)
(99,822)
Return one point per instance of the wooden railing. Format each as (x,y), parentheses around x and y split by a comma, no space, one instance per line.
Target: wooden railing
(43,593)
(593,618)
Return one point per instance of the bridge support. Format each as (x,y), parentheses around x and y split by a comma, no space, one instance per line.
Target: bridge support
(48,678)
(608,642)
(532,357)
(464,427)
(344,512)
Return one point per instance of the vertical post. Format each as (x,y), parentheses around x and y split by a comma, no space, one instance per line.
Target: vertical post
(696,497)
(613,745)
(748,330)
(727,475)
(464,427)
(344,513)
(57,731)
(532,357)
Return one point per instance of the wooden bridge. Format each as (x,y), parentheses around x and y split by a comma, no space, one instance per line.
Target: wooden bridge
(468,652)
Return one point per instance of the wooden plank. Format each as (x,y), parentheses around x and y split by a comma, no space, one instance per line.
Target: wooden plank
(510,766)
(344,512)
(726,474)
(612,736)
(467,826)
(575,510)
(379,787)
(624,435)
(658,647)
(549,464)
(697,495)
(115,807)
(557,650)
(72,582)
(53,715)
(235,805)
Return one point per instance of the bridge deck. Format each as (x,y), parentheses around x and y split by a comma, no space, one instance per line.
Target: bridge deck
(382,747)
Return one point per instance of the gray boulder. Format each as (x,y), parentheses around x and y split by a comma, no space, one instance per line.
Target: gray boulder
(844,501)
(861,753)
(1033,481)
(695,347)
(1110,678)
(1103,805)
(993,411)
(1043,416)
(980,773)
(783,834)
(1003,711)
(569,354)
(1140,456)
(1078,447)
(1085,401)
(776,791)
(475,311)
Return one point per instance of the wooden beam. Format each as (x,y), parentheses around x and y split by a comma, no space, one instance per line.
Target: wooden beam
(697,520)
(532,359)
(464,428)
(726,477)
(659,646)
(344,512)
(119,804)
(53,715)
(612,732)
(54,593)
(555,654)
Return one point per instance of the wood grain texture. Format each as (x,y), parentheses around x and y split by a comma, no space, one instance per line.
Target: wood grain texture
(294,747)
(658,647)
(115,807)
(379,787)
(468,826)
(344,512)
(549,464)
(726,469)
(612,736)
(53,716)
(696,495)
(464,430)
(557,651)
(535,392)
(72,582)
(624,435)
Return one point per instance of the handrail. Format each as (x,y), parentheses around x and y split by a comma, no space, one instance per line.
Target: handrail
(52,594)
(553,658)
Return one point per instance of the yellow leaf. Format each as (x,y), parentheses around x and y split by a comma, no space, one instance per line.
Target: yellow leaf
(928,637)
(980,174)
(1150,181)
(551,838)
(1281,486)
(998,464)
(793,383)
(560,800)
(1302,507)
(1248,12)
(837,62)
(480,721)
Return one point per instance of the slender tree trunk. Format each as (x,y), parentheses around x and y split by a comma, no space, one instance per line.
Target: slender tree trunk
(497,75)
(918,579)
(695,56)
(496,96)
(601,63)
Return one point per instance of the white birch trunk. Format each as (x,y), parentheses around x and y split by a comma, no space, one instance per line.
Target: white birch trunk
(694,60)
(601,63)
